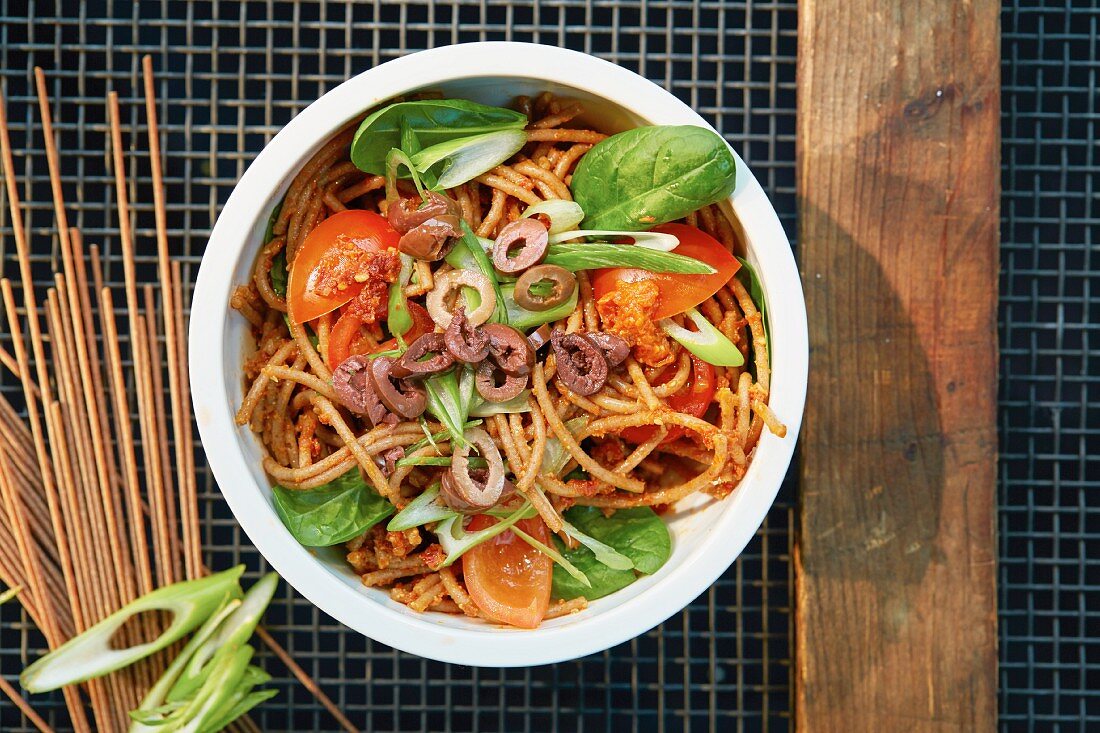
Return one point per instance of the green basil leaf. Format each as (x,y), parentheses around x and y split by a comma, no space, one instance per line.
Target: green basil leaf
(651,175)
(432,121)
(637,533)
(332,513)
(594,255)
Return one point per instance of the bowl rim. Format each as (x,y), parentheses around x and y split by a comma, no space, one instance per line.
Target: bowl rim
(231,238)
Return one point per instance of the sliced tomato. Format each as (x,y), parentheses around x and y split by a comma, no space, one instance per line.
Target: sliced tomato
(343,339)
(677,292)
(327,254)
(693,398)
(507,578)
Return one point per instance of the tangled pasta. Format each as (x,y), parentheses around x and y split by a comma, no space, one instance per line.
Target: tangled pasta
(656,425)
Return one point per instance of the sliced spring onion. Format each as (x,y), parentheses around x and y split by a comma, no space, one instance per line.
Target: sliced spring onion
(449,397)
(658,241)
(555,556)
(556,457)
(223,680)
(518,404)
(605,554)
(152,706)
(524,319)
(472,245)
(423,509)
(394,160)
(708,343)
(242,705)
(90,654)
(456,542)
(564,215)
(475,461)
(594,255)
(431,438)
(398,320)
(465,158)
(233,632)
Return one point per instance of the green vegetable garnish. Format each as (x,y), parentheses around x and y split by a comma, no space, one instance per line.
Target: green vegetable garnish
(152,706)
(396,159)
(636,535)
(450,395)
(748,277)
(554,555)
(90,654)
(462,159)
(332,513)
(9,594)
(659,241)
(564,215)
(398,319)
(423,509)
(523,319)
(556,457)
(475,461)
(469,254)
(432,122)
(456,541)
(647,176)
(708,343)
(234,631)
(594,255)
(484,408)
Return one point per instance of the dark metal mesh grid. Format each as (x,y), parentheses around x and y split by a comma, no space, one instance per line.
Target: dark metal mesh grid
(230,75)
(1049,419)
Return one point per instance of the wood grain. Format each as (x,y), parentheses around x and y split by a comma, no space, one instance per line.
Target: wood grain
(898,144)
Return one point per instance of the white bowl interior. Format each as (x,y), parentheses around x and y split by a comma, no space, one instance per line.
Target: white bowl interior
(700,527)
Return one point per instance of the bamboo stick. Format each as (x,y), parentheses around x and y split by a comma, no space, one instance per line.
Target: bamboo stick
(24,707)
(189,503)
(170,308)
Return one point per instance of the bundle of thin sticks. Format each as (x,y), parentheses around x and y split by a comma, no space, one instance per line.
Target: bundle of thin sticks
(94,514)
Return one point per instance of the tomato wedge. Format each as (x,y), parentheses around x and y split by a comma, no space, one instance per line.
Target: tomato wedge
(693,398)
(507,578)
(344,336)
(329,256)
(677,292)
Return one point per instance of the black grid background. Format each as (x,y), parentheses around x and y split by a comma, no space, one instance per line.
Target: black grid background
(231,74)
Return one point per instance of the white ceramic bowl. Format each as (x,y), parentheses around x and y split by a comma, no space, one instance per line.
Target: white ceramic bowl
(707,535)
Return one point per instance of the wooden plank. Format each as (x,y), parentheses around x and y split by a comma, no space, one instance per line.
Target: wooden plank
(898,143)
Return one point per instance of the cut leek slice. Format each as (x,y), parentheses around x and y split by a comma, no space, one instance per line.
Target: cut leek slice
(708,343)
(233,632)
(90,654)
(147,716)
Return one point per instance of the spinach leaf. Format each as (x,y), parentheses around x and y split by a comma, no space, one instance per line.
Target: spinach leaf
(332,513)
(651,175)
(604,581)
(748,277)
(279,275)
(431,121)
(637,533)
